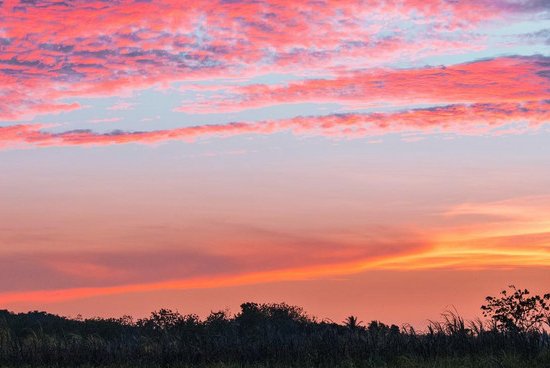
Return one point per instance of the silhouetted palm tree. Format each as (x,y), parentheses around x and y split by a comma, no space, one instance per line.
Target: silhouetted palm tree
(352,323)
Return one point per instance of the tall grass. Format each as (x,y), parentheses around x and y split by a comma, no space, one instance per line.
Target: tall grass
(261,335)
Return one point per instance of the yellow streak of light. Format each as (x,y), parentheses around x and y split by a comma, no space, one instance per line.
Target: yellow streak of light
(521,241)
(449,256)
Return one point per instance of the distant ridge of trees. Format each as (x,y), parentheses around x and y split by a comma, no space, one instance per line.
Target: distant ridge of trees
(278,334)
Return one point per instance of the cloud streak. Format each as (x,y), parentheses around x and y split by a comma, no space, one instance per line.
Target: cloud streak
(488,81)
(519,238)
(474,119)
(479,253)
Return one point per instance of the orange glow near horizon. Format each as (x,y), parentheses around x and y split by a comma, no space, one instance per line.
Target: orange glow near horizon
(493,248)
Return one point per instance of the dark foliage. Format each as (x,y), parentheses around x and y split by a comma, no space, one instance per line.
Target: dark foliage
(515,311)
(272,335)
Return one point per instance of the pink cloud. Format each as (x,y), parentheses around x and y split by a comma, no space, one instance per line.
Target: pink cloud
(472,119)
(47,53)
(489,81)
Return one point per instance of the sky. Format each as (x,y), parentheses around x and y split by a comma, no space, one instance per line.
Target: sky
(386,159)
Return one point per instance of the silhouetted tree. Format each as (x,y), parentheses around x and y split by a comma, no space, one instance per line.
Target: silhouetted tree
(353,323)
(517,312)
(161,320)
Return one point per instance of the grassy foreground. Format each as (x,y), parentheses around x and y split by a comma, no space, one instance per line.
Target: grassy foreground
(401,362)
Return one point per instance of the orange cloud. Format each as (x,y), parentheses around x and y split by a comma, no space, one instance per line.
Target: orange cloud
(447,257)
(528,245)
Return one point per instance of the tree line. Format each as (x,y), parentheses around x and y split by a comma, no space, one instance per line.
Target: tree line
(276,334)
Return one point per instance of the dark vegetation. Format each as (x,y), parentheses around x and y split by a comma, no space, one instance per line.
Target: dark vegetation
(280,335)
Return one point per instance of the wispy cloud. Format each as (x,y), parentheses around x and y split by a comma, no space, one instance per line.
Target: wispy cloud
(454,247)
(472,119)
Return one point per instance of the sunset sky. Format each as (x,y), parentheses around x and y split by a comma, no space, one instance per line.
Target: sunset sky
(387,159)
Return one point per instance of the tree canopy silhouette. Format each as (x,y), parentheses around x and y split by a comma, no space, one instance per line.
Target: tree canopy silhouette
(278,335)
(516,311)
